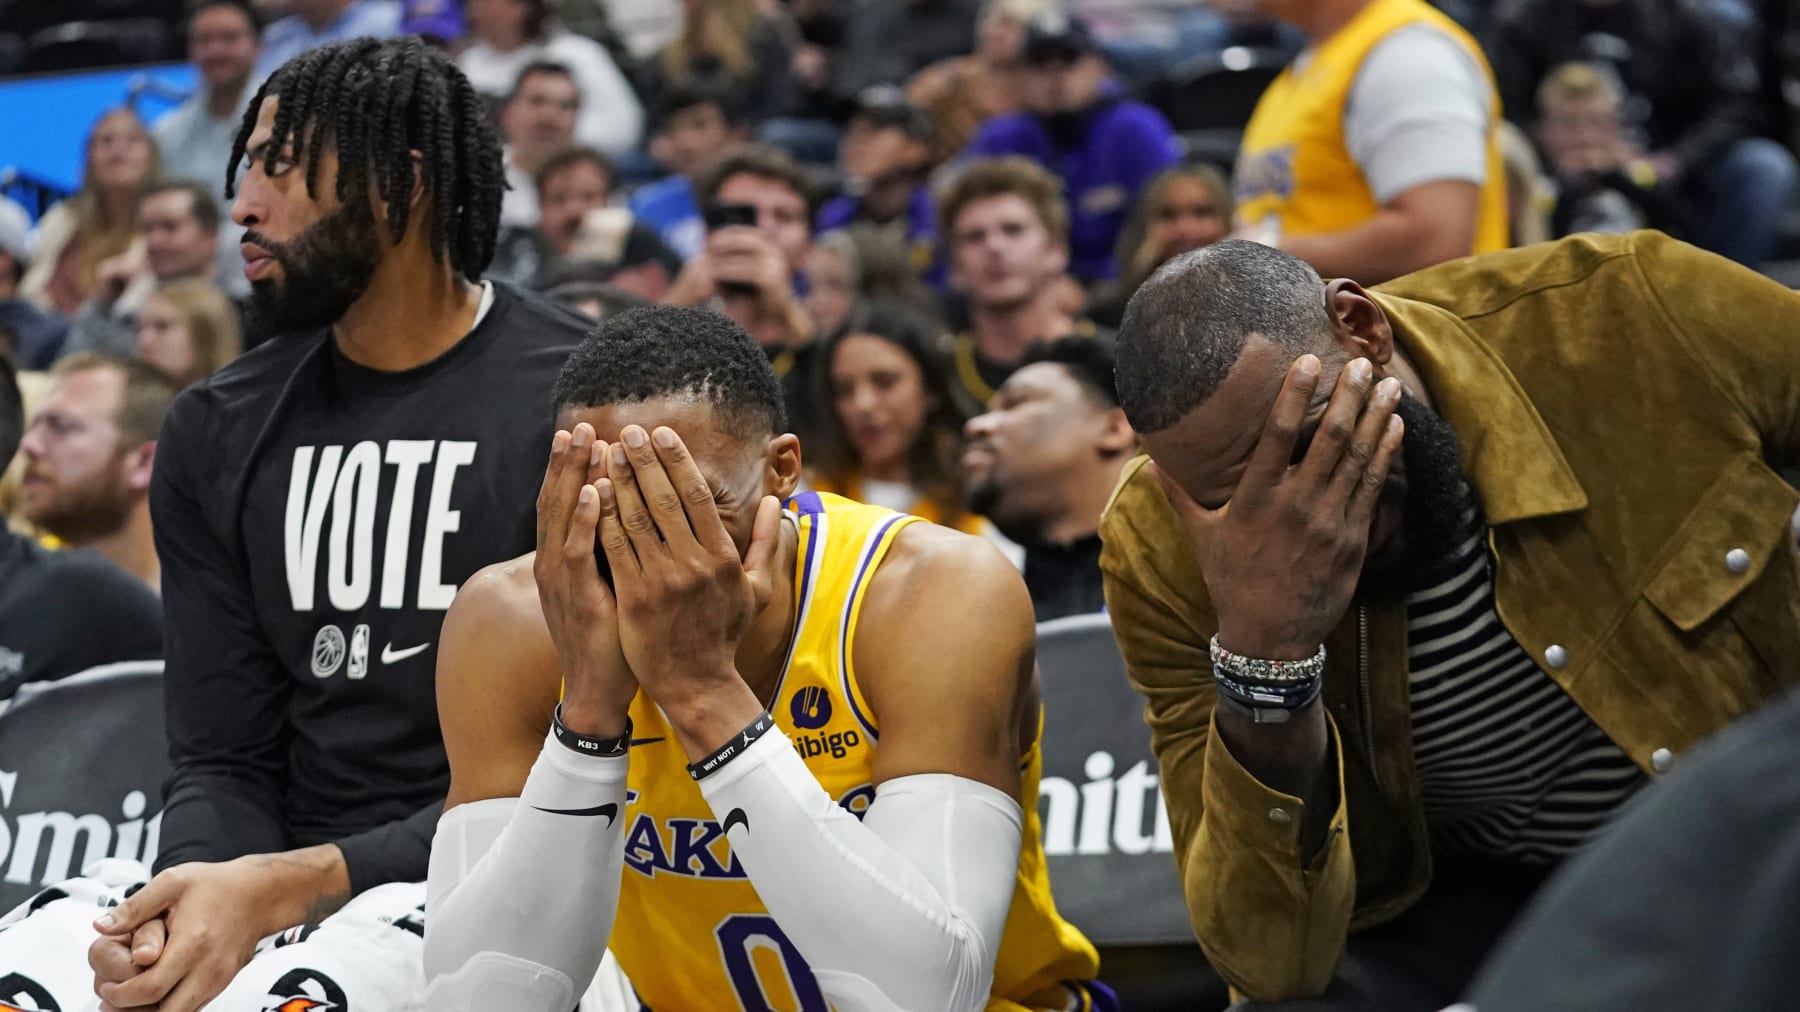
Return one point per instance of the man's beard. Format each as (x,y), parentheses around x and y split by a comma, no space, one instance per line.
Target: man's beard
(98,508)
(988,499)
(983,498)
(324,271)
(1434,510)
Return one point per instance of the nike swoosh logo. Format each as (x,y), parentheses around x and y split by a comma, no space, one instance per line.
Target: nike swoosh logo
(635,742)
(735,817)
(391,656)
(610,810)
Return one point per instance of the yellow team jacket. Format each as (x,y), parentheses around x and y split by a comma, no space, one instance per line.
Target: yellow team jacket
(691,932)
(1295,164)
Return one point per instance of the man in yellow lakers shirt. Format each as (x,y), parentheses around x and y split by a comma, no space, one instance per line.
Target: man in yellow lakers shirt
(1374,154)
(780,759)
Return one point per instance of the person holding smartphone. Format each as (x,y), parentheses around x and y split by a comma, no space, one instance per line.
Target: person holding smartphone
(759,207)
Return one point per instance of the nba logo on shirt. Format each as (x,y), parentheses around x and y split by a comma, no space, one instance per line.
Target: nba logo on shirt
(359,652)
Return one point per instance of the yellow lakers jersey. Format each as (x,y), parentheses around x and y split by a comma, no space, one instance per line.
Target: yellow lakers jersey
(1295,164)
(691,932)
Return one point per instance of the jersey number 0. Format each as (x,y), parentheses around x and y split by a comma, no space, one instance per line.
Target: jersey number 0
(741,937)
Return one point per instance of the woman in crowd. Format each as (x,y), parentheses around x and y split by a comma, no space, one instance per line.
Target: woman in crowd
(188,329)
(97,223)
(732,47)
(508,35)
(1184,208)
(892,435)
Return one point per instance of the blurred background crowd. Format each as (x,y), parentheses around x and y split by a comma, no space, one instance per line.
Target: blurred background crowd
(930,212)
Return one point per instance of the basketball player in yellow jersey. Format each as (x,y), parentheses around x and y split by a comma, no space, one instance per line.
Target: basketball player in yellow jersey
(786,760)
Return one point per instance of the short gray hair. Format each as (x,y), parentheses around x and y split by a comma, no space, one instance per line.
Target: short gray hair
(1187,325)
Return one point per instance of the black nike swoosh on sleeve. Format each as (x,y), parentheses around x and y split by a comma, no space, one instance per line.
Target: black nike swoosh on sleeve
(610,810)
(735,817)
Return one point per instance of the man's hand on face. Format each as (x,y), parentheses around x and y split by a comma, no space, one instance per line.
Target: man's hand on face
(685,597)
(578,606)
(208,916)
(1283,556)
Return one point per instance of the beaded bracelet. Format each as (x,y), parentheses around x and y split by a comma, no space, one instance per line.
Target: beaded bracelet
(1255,669)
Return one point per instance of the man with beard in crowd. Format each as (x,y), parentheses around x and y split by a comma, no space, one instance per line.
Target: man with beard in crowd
(96,613)
(1042,462)
(317,503)
(1422,583)
(88,458)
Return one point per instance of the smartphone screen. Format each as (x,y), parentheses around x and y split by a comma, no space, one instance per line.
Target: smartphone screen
(722,215)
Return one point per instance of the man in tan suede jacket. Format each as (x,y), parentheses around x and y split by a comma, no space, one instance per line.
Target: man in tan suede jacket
(1421,583)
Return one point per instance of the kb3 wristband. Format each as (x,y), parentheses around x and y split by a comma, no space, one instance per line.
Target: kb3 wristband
(587,745)
(733,748)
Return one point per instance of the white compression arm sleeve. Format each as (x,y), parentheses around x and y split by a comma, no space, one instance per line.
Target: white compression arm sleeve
(522,891)
(901,912)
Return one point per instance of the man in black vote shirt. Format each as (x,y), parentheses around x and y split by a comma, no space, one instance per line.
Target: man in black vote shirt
(317,502)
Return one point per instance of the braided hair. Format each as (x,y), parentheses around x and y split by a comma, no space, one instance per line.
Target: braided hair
(378,101)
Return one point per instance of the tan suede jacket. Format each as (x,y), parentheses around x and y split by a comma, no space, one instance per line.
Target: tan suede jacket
(1620,401)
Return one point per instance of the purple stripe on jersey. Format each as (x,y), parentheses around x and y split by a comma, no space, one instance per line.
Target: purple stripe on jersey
(863,569)
(803,594)
(807,503)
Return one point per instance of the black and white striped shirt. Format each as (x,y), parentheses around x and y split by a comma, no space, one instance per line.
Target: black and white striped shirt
(1509,766)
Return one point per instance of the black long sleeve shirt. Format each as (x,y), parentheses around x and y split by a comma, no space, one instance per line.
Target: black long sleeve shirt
(314,519)
(1064,579)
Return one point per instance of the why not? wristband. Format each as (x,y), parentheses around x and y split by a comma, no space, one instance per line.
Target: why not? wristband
(586,745)
(733,748)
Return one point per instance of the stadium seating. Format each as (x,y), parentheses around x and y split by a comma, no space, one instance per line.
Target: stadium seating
(1105,835)
(82,762)
(1209,99)
(28,16)
(79,45)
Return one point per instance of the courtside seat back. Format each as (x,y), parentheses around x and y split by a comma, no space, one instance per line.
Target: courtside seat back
(1106,834)
(82,762)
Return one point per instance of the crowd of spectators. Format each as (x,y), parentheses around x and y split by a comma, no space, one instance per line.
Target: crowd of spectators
(1387,146)
(906,203)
